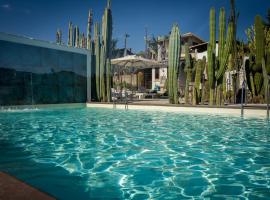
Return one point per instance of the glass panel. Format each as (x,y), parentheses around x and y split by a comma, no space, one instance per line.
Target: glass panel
(40,75)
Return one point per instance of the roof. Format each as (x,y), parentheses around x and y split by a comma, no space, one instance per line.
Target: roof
(185,35)
(189,34)
(40,43)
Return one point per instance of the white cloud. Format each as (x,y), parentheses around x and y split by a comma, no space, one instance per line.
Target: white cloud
(6,6)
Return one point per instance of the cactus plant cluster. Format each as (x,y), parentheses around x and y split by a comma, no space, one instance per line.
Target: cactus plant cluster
(75,38)
(100,51)
(258,66)
(217,65)
(102,55)
(173,64)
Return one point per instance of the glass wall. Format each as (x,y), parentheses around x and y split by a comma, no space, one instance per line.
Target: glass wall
(37,75)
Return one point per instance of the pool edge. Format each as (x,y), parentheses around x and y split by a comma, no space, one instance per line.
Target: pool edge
(255,113)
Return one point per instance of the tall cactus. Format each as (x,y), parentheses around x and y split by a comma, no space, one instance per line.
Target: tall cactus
(173,63)
(259,42)
(223,62)
(211,54)
(221,49)
(254,67)
(221,33)
(89,29)
(188,70)
(97,58)
(77,37)
(108,78)
(70,34)
(106,53)
(198,77)
(102,80)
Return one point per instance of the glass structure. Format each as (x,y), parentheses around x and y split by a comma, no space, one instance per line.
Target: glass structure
(31,74)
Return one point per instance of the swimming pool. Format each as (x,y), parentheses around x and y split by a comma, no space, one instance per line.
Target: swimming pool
(95,153)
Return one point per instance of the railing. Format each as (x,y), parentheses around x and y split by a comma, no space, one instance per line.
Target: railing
(126,100)
(242,97)
(268,97)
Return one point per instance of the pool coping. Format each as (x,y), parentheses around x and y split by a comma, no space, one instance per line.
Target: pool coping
(232,110)
(61,105)
(13,188)
(258,112)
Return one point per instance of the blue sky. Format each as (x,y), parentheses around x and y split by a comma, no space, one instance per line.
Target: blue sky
(40,18)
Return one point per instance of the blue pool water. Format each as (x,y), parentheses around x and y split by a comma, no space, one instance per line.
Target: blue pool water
(86,153)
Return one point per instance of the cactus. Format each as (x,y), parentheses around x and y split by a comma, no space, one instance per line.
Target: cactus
(89,29)
(254,70)
(211,54)
(223,62)
(221,34)
(106,54)
(188,70)
(217,65)
(108,78)
(59,36)
(70,34)
(265,79)
(259,42)
(102,74)
(97,58)
(173,63)
(77,37)
(198,77)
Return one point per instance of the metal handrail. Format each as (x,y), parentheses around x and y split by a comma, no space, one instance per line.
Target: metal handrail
(126,101)
(242,97)
(114,97)
(268,97)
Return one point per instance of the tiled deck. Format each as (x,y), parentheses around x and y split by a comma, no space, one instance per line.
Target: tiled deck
(13,189)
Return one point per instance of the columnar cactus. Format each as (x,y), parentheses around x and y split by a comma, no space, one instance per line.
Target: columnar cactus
(255,77)
(102,74)
(211,54)
(199,67)
(97,58)
(188,70)
(221,33)
(89,29)
(108,78)
(218,65)
(59,36)
(106,53)
(77,37)
(70,34)
(103,55)
(259,42)
(226,50)
(173,64)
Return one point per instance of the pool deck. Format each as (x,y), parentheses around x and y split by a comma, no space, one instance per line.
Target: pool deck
(250,110)
(14,189)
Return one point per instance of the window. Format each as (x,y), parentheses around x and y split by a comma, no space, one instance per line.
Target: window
(157,73)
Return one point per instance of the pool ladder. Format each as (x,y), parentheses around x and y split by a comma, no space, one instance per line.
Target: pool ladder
(268,98)
(114,98)
(242,97)
(126,101)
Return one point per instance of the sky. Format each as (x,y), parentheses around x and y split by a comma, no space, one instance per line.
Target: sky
(40,19)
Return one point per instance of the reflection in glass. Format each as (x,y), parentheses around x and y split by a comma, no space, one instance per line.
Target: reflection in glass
(31,74)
